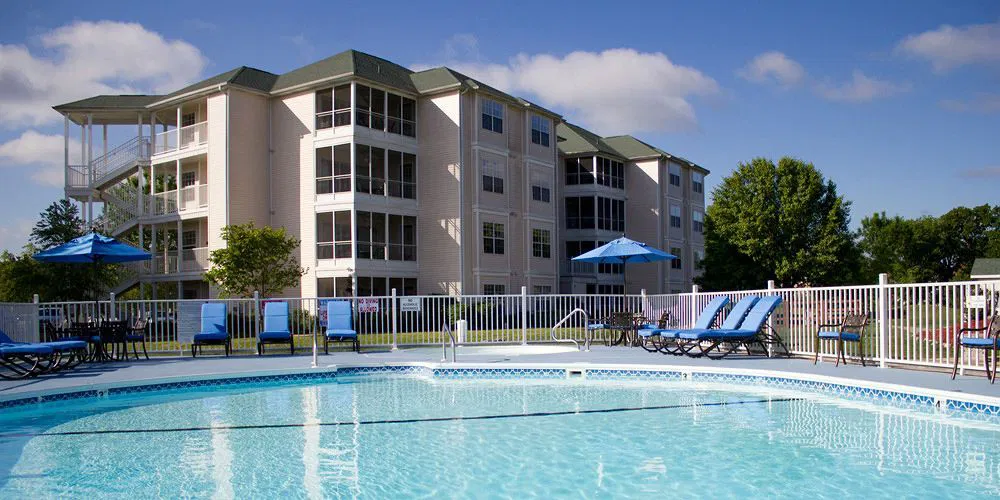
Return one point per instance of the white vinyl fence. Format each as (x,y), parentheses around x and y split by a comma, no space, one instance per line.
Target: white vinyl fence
(909,324)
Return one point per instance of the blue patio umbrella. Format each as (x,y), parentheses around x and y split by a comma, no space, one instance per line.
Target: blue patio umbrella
(95,249)
(623,251)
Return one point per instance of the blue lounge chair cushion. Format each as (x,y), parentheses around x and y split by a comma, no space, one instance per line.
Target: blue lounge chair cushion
(979,342)
(597,326)
(211,337)
(339,333)
(213,318)
(66,345)
(273,336)
(715,334)
(22,349)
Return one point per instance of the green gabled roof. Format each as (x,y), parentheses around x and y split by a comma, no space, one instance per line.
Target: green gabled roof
(985,267)
(251,78)
(444,77)
(633,148)
(349,62)
(110,102)
(578,140)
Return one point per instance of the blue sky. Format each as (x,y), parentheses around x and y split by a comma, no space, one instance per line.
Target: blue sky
(898,102)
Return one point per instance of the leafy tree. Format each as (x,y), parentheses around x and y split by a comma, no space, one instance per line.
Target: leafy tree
(58,224)
(783,222)
(255,259)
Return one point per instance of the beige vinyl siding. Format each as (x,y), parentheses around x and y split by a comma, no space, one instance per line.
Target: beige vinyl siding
(642,220)
(292,178)
(217,182)
(248,182)
(439,227)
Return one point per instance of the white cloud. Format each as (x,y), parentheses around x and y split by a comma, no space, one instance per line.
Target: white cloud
(85,59)
(949,47)
(773,67)
(860,88)
(14,235)
(982,173)
(616,91)
(982,103)
(41,152)
(302,44)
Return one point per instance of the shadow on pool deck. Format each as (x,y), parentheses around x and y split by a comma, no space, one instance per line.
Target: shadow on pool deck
(124,371)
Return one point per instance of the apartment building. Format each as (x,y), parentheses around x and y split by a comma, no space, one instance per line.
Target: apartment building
(426,182)
(614,186)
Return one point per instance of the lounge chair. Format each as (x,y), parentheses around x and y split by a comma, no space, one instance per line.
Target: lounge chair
(752,330)
(213,328)
(339,325)
(25,359)
(666,336)
(851,329)
(989,343)
(644,334)
(275,327)
(686,344)
(137,333)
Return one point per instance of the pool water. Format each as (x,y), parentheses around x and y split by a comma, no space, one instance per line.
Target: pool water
(431,438)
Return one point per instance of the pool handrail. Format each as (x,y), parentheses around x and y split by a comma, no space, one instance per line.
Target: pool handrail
(586,335)
(444,347)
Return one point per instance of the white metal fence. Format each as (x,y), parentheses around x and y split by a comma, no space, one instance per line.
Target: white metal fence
(909,324)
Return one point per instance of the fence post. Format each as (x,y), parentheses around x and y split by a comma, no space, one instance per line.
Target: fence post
(770,320)
(395,320)
(642,302)
(524,315)
(883,323)
(315,329)
(37,322)
(112,310)
(256,313)
(694,305)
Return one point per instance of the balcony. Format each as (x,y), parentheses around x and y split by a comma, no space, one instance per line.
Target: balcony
(192,260)
(163,203)
(191,198)
(582,267)
(180,139)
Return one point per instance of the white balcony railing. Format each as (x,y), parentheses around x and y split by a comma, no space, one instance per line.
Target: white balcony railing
(194,197)
(77,176)
(194,259)
(583,267)
(163,263)
(163,203)
(184,137)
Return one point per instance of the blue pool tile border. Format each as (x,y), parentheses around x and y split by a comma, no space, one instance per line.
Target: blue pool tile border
(840,390)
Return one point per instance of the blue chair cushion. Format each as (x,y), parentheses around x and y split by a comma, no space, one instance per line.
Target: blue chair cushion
(596,326)
(339,333)
(851,337)
(832,335)
(95,338)
(210,337)
(22,349)
(66,345)
(828,334)
(978,342)
(648,332)
(715,334)
(275,336)
(136,337)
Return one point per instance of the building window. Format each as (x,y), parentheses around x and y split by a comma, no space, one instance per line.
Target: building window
(402,175)
(402,237)
(579,171)
(697,257)
(187,119)
(697,221)
(610,214)
(675,174)
(492,115)
(540,130)
(494,289)
(698,182)
(370,107)
(610,173)
(541,289)
(610,289)
(541,193)
(334,287)
(492,176)
(675,215)
(493,238)
(403,286)
(580,213)
(189,178)
(333,169)
(541,243)
(609,268)
(333,235)
(369,169)
(333,107)
(402,115)
(676,263)
(370,235)
(189,239)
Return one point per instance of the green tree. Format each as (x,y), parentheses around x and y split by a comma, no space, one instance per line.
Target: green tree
(779,221)
(58,224)
(255,259)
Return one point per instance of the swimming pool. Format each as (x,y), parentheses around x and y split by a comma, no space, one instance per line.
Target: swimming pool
(410,436)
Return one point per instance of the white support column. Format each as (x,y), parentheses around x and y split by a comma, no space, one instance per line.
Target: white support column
(90,140)
(83,150)
(395,320)
(104,148)
(177,193)
(179,248)
(152,132)
(138,132)
(178,128)
(883,321)
(770,320)
(524,315)
(66,150)
(694,305)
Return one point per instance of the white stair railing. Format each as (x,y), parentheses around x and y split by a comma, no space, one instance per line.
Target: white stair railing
(119,159)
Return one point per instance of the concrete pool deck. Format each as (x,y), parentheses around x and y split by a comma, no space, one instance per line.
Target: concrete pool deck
(130,372)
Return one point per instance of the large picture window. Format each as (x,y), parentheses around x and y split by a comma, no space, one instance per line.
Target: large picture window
(610,173)
(369,166)
(333,107)
(579,170)
(333,235)
(402,175)
(402,115)
(333,169)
